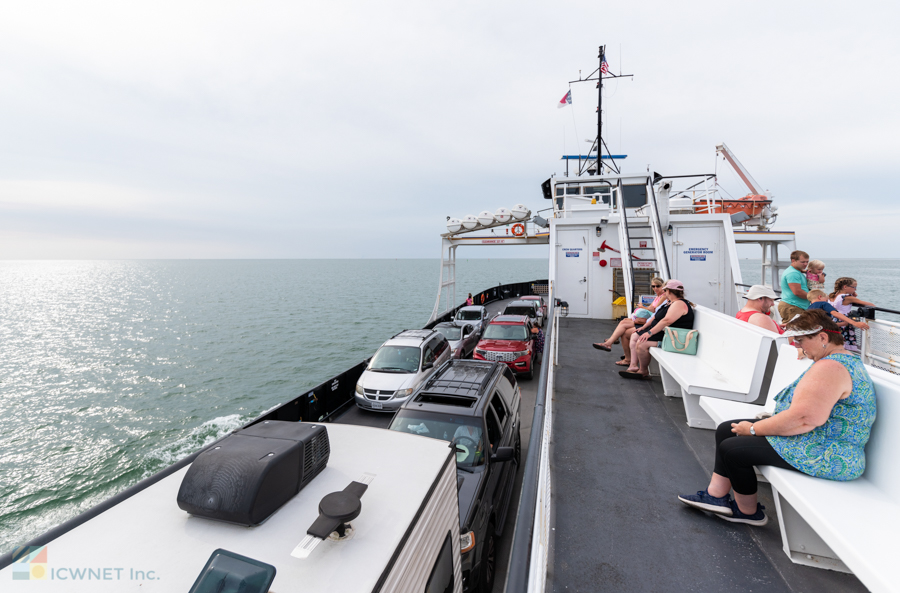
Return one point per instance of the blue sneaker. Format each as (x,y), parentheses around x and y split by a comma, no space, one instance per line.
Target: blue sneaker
(703,501)
(758,518)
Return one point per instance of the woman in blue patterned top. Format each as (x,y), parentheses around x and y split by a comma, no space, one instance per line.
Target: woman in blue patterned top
(820,427)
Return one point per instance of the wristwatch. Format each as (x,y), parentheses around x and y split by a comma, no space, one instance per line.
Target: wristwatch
(752,430)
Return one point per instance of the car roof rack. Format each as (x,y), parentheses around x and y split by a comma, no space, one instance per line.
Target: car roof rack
(414,333)
(459,378)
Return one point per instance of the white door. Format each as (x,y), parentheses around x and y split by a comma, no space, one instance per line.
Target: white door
(572,258)
(699,257)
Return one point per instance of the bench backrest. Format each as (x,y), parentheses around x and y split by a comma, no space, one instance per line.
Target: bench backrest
(787,369)
(734,347)
(882,460)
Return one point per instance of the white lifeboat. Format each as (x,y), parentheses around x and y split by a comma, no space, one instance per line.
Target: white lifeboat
(486,218)
(469,222)
(520,212)
(503,215)
(454,225)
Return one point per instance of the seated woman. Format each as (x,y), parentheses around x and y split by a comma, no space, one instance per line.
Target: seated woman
(639,316)
(820,427)
(676,312)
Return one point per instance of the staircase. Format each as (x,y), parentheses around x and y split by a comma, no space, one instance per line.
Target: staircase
(641,238)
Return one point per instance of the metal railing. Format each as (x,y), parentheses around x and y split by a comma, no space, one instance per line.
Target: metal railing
(879,346)
(531,538)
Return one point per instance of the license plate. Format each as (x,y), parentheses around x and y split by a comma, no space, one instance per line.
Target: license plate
(377,405)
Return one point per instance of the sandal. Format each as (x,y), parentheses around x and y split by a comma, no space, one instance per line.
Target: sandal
(630,375)
(624,363)
(600,346)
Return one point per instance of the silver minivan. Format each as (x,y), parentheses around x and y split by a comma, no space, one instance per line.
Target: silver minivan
(399,366)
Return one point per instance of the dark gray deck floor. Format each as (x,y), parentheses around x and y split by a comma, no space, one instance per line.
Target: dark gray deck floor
(621,453)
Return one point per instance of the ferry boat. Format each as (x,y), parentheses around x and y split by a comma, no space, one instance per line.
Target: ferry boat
(596,507)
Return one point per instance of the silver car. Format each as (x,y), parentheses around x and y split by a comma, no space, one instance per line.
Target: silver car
(477,315)
(462,337)
(399,366)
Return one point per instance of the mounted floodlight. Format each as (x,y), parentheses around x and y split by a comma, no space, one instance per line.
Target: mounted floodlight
(545,189)
(454,225)
(502,215)
(540,221)
(469,222)
(520,212)
(486,218)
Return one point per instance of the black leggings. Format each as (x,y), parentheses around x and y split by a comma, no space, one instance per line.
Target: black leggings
(736,456)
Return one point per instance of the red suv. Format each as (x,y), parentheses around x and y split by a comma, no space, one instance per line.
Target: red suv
(508,339)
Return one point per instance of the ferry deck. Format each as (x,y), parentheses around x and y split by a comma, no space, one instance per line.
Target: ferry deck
(621,453)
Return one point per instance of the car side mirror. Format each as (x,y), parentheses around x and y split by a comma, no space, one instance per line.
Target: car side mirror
(504,454)
(427,365)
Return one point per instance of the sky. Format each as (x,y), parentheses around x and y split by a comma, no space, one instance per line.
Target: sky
(349,129)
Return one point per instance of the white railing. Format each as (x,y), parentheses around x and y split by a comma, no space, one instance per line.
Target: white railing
(880,345)
(540,537)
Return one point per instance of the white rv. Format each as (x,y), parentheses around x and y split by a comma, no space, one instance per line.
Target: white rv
(405,537)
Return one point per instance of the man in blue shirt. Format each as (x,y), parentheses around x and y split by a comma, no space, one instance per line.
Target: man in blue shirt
(794,287)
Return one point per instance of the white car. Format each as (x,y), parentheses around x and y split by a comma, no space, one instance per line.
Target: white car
(477,315)
(531,309)
(399,366)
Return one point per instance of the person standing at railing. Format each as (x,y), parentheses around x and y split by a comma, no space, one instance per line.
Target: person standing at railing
(794,287)
(760,300)
(469,301)
(842,298)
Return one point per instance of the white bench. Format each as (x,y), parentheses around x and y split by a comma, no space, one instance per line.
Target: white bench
(787,369)
(733,362)
(846,526)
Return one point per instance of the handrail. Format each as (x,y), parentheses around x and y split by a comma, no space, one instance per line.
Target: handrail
(656,230)
(519,557)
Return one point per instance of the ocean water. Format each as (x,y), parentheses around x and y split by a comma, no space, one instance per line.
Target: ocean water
(112,370)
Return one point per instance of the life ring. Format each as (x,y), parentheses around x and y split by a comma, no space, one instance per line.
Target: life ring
(518,229)
(482,298)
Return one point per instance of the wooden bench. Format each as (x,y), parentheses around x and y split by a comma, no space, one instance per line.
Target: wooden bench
(734,361)
(845,526)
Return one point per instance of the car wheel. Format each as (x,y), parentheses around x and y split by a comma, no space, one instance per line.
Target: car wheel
(530,374)
(488,562)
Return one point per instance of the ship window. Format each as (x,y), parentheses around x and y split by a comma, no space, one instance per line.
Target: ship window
(635,195)
(559,191)
(572,190)
(441,579)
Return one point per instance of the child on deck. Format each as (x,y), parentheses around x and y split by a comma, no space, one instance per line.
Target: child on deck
(815,275)
(819,300)
(843,297)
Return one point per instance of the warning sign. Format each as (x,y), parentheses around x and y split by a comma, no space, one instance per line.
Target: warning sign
(615,262)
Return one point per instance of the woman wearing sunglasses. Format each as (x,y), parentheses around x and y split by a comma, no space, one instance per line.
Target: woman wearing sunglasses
(638,317)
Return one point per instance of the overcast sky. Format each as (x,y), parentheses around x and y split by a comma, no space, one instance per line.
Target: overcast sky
(352,129)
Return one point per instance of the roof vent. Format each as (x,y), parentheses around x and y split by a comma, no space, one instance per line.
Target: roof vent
(336,510)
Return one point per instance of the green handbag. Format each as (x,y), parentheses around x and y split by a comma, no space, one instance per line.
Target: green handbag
(680,341)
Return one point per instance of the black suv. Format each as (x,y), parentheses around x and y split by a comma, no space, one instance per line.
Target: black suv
(476,406)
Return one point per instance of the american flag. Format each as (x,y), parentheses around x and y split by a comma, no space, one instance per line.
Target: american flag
(604,67)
